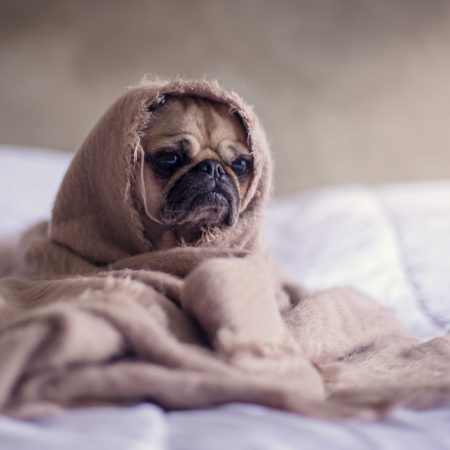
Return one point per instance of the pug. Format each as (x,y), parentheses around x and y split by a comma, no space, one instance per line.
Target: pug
(197,170)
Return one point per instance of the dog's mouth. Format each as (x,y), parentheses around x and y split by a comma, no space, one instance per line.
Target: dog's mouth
(201,201)
(210,208)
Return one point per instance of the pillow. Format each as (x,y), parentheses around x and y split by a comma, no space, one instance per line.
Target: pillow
(392,242)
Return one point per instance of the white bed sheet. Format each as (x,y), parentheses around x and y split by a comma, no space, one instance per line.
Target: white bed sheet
(392,242)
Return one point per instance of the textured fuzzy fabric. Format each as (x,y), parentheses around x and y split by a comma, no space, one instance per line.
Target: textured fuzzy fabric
(92,314)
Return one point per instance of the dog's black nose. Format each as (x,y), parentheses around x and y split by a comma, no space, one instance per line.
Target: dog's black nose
(211,167)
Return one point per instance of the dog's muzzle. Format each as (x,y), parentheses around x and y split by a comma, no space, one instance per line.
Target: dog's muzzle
(205,195)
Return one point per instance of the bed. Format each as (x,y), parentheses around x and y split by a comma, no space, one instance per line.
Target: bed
(390,241)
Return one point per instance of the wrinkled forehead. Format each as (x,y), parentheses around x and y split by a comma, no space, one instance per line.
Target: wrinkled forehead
(206,121)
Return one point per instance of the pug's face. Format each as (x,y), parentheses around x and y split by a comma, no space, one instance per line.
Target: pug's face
(197,166)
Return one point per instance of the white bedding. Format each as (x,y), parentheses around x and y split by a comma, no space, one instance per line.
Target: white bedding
(392,242)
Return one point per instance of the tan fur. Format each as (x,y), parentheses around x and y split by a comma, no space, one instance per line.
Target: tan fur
(96,309)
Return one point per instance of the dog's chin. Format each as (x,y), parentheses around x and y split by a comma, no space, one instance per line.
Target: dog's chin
(210,209)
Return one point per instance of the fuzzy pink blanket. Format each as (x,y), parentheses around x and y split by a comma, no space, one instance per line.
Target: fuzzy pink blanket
(92,314)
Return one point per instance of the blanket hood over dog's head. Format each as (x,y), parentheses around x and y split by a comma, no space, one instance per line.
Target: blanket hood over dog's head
(95,212)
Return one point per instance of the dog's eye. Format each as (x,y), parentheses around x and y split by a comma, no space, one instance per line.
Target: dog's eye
(166,162)
(241,166)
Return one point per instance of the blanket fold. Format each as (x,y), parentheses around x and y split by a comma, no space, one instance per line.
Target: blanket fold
(91,312)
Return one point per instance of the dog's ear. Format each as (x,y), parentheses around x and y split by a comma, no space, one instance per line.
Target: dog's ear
(240,120)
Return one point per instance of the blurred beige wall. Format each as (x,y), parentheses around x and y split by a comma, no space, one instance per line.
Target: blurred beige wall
(349,90)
